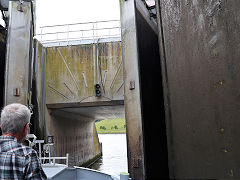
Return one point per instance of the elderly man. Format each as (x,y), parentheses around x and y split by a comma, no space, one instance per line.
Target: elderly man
(16,160)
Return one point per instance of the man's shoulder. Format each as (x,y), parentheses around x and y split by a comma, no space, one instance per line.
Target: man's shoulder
(22,150)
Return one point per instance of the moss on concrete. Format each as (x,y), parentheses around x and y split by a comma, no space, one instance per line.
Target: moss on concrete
(72,72)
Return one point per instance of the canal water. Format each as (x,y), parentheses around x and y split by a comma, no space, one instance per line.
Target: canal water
(114,159)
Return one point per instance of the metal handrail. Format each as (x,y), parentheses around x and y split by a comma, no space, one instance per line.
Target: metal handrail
(96,33)
(62,32)
(84,38)
(56,158)
(90,22)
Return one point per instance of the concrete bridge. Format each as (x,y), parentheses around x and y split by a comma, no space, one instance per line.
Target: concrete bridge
(71,102)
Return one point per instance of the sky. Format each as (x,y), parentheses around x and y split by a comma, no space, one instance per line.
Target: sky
(55,12)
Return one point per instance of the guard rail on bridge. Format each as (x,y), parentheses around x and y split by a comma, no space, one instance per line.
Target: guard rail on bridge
(68,34)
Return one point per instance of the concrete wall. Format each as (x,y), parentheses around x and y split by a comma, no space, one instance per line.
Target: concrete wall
(73,71)
(200,57)
(75,135)
(18,57)
(38,91)
(133,111)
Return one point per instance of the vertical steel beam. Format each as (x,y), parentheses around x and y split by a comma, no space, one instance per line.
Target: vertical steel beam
(18,53)
(132,93)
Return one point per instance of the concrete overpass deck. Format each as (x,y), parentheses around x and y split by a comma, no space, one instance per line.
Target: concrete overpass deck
(93,110)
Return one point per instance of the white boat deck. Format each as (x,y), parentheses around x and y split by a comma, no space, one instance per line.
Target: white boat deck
(63,172)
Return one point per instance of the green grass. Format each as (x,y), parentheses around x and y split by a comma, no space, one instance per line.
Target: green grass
(111,126)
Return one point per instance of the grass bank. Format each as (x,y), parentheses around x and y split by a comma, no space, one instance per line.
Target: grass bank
(111,126)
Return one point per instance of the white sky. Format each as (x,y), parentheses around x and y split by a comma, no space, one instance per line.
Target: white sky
(54,12)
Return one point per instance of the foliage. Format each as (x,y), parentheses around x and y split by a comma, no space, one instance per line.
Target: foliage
(102,127)
(111,126)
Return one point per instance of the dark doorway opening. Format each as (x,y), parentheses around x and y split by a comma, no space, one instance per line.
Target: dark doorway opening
(152,102)
(3,33)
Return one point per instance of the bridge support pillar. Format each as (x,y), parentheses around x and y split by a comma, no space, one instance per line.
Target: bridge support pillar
(19,53)
(144,103)
(132,94)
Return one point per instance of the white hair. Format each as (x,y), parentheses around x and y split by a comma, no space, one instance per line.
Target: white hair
(14,117)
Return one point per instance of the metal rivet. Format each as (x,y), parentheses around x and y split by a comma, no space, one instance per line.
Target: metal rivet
(222,130)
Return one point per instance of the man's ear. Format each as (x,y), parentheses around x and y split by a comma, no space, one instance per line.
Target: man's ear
(25,130)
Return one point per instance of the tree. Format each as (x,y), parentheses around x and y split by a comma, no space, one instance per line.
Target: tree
(103,127)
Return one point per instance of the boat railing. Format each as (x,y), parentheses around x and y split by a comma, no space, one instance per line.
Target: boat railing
(52,160)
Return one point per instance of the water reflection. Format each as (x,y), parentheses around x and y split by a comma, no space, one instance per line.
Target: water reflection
(114,159)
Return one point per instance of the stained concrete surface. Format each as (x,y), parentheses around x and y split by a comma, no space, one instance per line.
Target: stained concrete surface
(73,71)
(18,54)
(75,135)
(200,53)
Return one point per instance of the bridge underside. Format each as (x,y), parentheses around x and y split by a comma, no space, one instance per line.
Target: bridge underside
(72,125)
(91,110)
